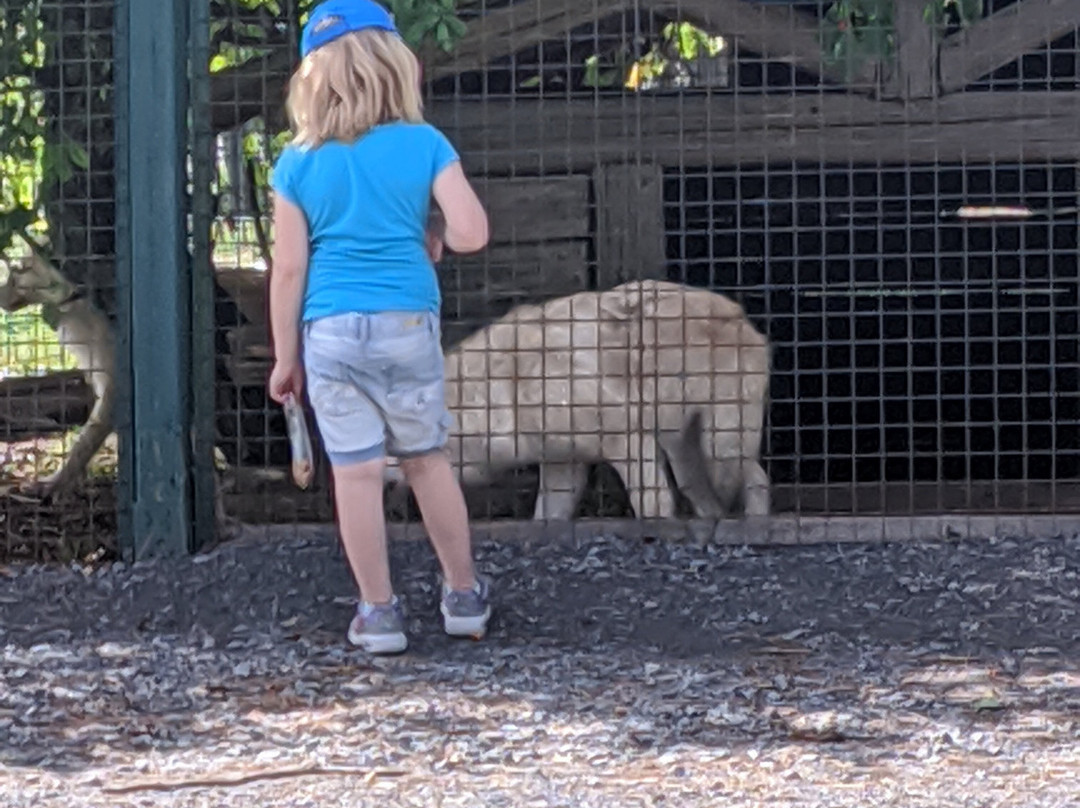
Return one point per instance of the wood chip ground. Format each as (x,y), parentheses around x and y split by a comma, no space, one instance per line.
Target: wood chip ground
(617,673)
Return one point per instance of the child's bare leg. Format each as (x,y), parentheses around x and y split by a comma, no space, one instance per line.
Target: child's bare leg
(358,491)
(442,506)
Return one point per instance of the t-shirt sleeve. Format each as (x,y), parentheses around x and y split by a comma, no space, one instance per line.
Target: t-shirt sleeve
(283,176)
(444,154)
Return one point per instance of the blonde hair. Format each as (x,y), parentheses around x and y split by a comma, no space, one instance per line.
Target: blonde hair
(355,82)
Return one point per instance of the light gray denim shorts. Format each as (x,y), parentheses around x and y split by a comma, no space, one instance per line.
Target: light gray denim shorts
(376,384)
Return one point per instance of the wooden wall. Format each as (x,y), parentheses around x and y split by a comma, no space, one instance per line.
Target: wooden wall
(541,229)
(554,236)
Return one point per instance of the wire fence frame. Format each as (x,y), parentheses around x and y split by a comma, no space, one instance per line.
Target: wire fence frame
(905,240)
(57,252)
(896,264)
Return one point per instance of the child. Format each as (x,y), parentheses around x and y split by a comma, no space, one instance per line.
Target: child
(353,270)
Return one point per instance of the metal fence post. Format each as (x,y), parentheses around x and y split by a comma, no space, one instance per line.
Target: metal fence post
(153,279)
(202,324)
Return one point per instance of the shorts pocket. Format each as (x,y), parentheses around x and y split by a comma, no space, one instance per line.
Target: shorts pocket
(407,348)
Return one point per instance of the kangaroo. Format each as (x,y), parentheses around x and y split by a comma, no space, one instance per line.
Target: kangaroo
(644,373)
(84,332)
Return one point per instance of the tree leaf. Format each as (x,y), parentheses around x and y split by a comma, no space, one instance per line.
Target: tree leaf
(78,156)
(443,37)
(688,41)
(457,26)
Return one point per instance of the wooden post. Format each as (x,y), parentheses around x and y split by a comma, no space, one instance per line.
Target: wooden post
(915,72)
(630,238)
(153,280)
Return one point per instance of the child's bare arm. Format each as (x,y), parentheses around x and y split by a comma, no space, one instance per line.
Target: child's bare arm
(288,275)
(466,223)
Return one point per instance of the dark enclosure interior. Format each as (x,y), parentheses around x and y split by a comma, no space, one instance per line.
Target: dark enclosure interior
(908,347)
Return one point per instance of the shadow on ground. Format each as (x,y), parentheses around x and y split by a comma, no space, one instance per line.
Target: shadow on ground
(610,650)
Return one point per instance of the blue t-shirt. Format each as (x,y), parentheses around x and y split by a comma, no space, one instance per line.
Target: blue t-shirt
(367,205)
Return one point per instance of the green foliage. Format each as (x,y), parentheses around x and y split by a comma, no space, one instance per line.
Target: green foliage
(25,160)
(679,42)
(691,42)
(28,164)
(854,32)
(423,21)
(28,346)
(28,161)
(243,29)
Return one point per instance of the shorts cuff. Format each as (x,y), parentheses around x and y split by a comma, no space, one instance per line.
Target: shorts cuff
(357,456)
(420,453)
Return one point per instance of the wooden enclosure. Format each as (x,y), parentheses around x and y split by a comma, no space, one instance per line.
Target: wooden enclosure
(578,184)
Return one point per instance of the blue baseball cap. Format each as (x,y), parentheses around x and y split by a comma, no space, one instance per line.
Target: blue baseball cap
(334,18)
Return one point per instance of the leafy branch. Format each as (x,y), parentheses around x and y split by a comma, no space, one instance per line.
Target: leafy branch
(854,32)
(25,160)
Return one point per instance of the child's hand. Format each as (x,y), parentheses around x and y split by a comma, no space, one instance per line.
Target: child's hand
(287,377)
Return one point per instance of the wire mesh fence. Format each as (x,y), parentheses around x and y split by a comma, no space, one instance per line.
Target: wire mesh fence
(921,345)
(887,191)
(883,193)
(57,214)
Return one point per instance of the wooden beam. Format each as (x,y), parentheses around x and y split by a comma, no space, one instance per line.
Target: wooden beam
(777,34)
(478,288)
(36,406)
(1003,37)
(514,273)
(201,325)
(778,530)
(675,131)
(515,27)
(630,233)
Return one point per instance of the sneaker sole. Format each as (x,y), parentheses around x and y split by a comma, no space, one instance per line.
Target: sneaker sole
(380,643)
(474,626)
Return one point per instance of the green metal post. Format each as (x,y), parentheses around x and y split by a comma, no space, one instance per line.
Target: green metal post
(202,284)
(153,278)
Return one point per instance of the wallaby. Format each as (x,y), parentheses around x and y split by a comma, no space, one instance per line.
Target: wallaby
(85,333)
(640,374)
